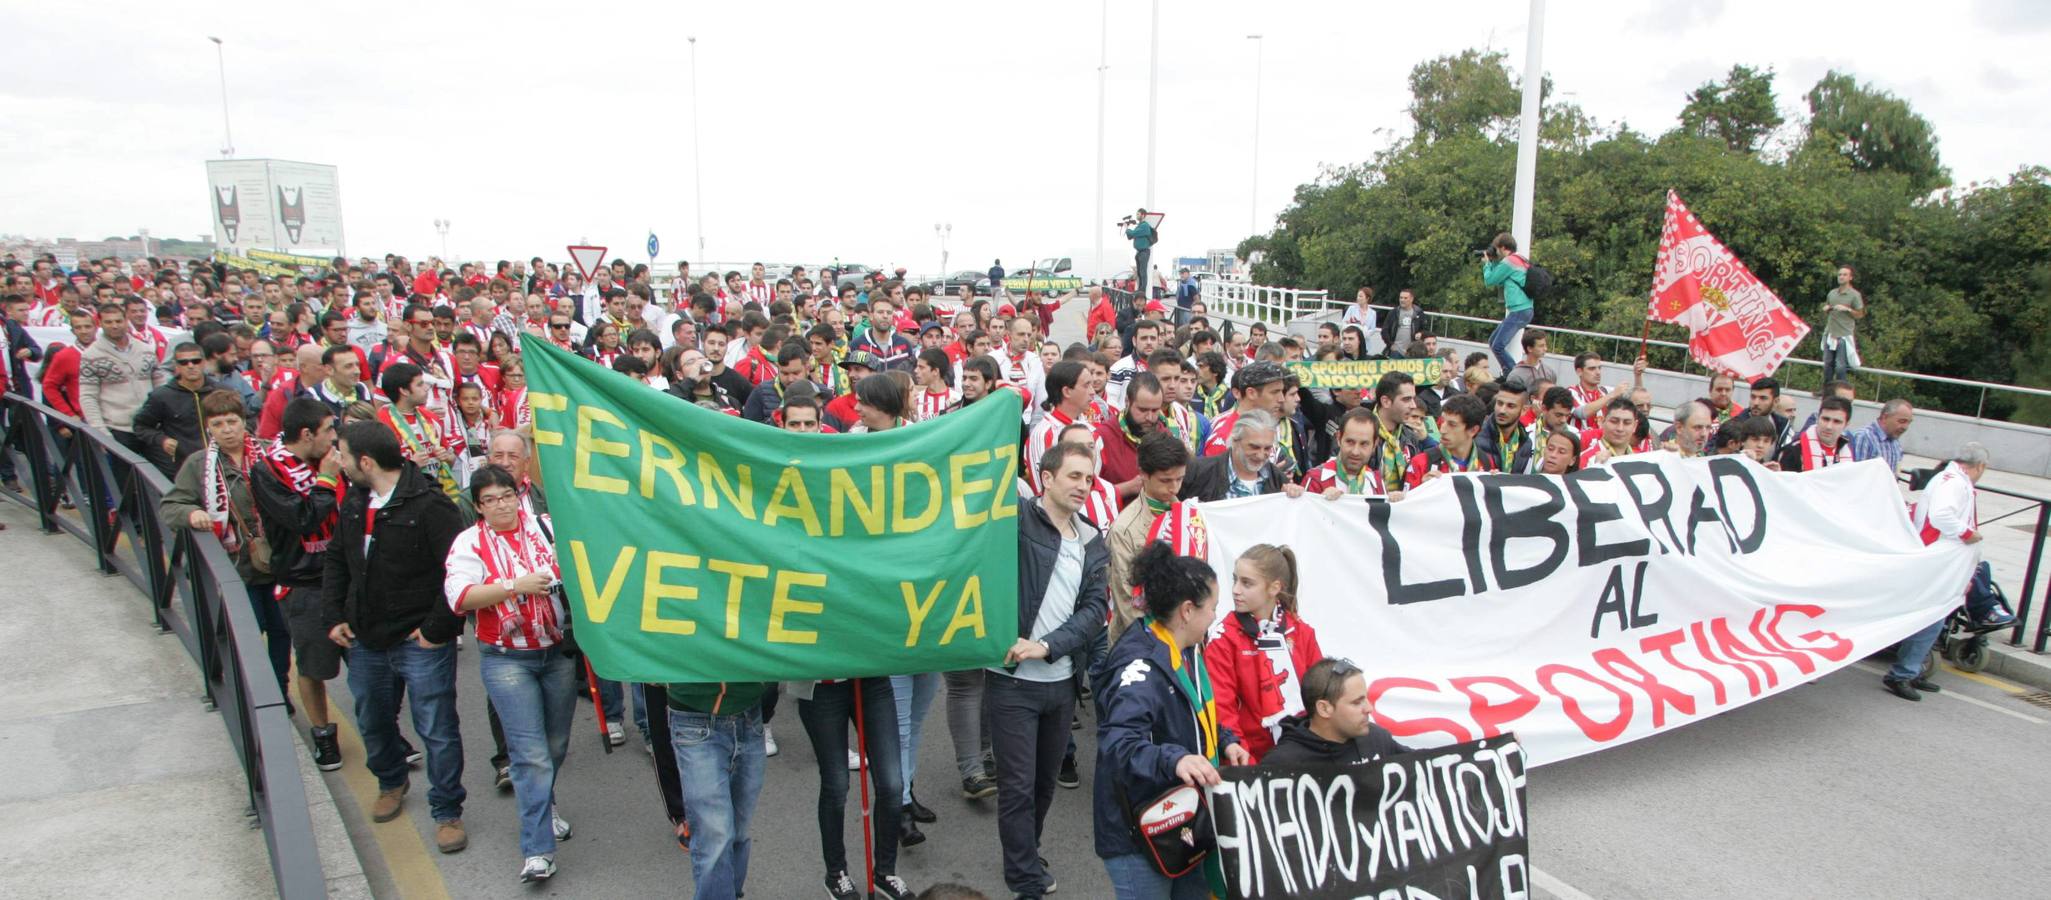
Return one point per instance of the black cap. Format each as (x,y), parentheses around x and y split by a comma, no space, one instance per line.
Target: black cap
(1255,374)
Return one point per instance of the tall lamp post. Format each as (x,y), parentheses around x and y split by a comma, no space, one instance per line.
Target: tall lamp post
(1253,214)
(697,176)
(1527,129)
(1103,65)
(1153,105)
(227,133)
(441,227)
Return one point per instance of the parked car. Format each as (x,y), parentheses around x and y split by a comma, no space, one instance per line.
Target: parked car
(851,275)
(976,281)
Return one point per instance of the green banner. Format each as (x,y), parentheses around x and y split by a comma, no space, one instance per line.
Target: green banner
(698,546)
(1362,374)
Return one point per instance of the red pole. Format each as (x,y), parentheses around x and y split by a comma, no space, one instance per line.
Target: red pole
(862,778)
(591,681)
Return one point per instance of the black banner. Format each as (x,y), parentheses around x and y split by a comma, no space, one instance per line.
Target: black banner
(1441,823)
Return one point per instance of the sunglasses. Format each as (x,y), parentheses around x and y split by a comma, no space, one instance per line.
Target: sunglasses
(187,362)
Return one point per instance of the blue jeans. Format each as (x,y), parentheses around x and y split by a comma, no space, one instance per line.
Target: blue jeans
(535,694)
(1981,601)
(429,676)
(1506,331)
(1133,877)
(914,698)
(1837,363)
(1909,654)
(719,761)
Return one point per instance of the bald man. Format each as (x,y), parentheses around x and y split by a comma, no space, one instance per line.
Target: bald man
(307,372)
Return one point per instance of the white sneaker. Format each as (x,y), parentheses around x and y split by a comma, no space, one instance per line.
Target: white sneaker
(854,761)
(768,742)
(615,734)
(537,868)
(560,825)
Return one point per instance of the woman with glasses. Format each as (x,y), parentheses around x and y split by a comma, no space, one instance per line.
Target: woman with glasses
(503,569)
(1262,649)
(605,343)
(1337,722)
(1157,723)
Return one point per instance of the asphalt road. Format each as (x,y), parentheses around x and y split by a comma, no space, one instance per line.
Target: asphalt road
(1833,789)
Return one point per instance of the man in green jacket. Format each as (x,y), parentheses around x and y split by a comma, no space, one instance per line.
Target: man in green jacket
(1143,236)
(1502,267)
(1842,308)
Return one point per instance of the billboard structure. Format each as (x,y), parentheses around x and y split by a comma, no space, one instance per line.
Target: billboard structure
(275,205)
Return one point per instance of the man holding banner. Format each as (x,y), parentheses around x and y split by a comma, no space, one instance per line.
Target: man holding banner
(1029,701)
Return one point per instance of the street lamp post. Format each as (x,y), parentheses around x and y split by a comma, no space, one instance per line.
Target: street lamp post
(943,232)
(1253,214)
(1103,65)
(1527,129)
(227,133)
(1153,106)
(697,170)
(441,227)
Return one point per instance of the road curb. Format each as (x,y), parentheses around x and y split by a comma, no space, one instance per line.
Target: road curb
(338,858)
(2019,665)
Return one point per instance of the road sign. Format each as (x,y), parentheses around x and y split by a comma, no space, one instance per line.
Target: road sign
(587,259)
(653,246)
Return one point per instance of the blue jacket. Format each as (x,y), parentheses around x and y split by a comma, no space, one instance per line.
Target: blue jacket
(1145,724)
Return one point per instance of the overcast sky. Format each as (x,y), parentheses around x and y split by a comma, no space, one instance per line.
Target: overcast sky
(848,130)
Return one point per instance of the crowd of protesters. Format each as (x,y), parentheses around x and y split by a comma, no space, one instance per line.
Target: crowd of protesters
(360,442)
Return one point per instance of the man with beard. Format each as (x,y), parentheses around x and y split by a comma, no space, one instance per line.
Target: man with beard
(1122,436)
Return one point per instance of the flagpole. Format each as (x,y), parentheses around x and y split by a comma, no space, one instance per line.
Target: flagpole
(1645,334)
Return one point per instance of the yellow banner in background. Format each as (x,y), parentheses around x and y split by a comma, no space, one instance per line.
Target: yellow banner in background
(1362,374)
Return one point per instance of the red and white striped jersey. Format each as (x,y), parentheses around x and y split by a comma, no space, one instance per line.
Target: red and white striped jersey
(1102,507)
(1044,434)
(1594,452)
(1369,483)
(928,405)
(1584,396)
(51,316)
(760,292)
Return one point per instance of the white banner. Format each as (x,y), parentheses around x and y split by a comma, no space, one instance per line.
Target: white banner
(1619,602)
(275,204)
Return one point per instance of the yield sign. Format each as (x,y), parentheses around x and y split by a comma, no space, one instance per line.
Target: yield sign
(588,259)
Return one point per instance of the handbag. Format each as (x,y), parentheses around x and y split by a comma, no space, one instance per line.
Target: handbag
(1175,827)
(254,544)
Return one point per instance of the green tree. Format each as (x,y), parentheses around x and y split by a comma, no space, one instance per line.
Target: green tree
(1740,110)
(1469,93)
(1874,129)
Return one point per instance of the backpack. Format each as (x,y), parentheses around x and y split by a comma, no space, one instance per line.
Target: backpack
(1538,281)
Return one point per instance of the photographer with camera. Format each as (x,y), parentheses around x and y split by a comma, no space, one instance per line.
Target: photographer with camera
(1141,231)
(1502,267)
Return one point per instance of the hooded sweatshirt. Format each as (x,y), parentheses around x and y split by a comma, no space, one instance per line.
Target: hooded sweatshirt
(1301,746)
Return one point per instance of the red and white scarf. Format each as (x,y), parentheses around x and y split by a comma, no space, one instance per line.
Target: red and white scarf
(522,622)
(214,492)
(1815,457)
(299,478)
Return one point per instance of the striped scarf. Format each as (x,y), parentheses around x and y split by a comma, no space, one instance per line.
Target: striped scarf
(1195,682)
(299,478)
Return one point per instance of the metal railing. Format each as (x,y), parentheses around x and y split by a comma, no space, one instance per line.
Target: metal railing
(1806,374)
(1272,306)
(193,592)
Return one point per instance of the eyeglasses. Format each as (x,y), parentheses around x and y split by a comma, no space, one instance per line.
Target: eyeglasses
(188,362)
(559,326)
(498,499)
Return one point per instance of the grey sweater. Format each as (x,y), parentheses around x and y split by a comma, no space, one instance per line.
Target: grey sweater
(113,382)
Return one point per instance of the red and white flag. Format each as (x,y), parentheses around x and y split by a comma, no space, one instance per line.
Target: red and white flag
(1735,323)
